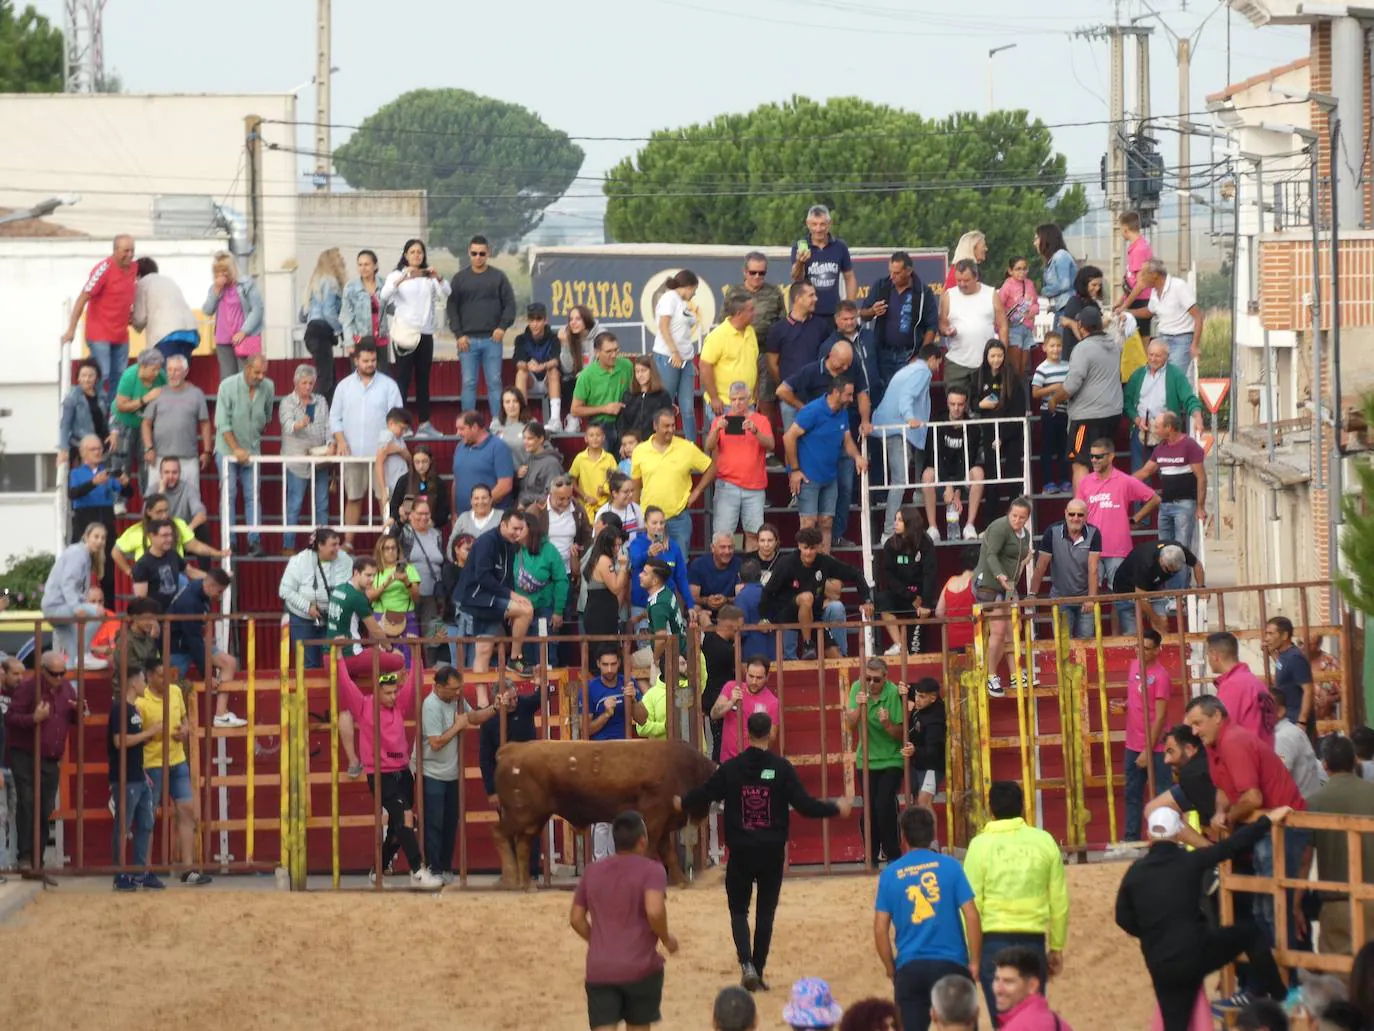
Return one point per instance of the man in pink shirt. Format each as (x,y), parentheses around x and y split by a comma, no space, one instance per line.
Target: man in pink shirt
(738,702)
(1245,695)
(1109,494)
(1017,986)
(1145,730)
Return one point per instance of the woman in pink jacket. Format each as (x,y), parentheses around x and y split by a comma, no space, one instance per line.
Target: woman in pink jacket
(389,776)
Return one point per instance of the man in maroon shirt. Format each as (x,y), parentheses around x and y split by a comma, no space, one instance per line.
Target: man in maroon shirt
(108,302)
(1245,695)
(41,712)
(1250,778)
(619,910)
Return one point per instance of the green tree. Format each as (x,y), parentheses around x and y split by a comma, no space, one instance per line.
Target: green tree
(490,167)
(31,52)
(890,177)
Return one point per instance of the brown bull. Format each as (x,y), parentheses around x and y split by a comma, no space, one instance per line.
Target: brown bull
(587,782)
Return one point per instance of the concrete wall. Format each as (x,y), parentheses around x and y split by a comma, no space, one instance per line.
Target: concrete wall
(121,151)
(378,221)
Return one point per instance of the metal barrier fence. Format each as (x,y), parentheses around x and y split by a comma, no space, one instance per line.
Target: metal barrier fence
(236,769)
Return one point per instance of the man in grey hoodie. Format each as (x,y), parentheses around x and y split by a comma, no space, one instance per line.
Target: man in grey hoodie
(541,466)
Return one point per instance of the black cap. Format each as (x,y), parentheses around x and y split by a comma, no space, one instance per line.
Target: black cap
(1090,318)
(536,311)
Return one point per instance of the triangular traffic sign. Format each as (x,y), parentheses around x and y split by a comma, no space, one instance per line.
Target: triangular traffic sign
(1207,440)
(1213,393)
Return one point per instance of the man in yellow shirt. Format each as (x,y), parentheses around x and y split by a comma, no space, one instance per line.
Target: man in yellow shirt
(162,702)
(1017,874)
(730,353)
(662,469)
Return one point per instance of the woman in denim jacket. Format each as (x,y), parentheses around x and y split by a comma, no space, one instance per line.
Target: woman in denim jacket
(238,314)
(1060,269)
(82,416)
(323,306)
(364,311)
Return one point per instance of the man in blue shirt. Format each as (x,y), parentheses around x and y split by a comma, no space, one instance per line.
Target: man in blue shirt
(906,403)
(920,900)
(823,261)
(811,381)
(905,314)
(482,459)
(714,577)
(609,695)
(814,444)
(868,388)
(793,343)
(199,598)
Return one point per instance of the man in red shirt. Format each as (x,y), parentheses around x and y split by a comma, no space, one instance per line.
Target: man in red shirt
(108,301)
(1245,695)
(1250,778)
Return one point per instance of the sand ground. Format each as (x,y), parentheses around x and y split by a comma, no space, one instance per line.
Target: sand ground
(476,960)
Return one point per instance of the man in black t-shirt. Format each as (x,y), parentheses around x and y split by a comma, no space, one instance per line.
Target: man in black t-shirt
(796,593)
(133,808)
(157,574)
(953,457)
(718,647)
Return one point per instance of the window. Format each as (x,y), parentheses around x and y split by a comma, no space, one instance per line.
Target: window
(27,474)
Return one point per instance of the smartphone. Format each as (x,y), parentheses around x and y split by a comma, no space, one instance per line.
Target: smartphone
(734,425)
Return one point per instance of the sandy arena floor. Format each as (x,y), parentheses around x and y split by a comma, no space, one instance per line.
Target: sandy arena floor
(246,959)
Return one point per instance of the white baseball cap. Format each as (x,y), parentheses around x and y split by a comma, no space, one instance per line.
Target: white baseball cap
(1164,824)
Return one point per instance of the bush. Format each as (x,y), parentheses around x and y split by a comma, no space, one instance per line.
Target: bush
(25,577)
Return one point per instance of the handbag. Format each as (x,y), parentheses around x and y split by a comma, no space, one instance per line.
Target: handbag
(405,335)
(248,346)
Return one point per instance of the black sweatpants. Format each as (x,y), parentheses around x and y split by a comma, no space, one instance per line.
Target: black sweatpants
(749,866)
(320,339)
(26,819)
(398,797)
(912,986)
(418,362)
(883,788)
(1178,977)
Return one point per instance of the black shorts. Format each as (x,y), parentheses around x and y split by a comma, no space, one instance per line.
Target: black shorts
(899,603)
(1082,434)
(634,1003)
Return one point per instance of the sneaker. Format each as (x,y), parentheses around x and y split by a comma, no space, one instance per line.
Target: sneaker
(124,882)
(426,430)
(808,652)
(1051,488)
(893,650)
(792,501)
(355,771)
(843,542)
(1238,1001)
(774,464)
(573,424)
(423,878)
(195,879)
(995,688)
(1066,487)
(120,508)
(152,882)
(94,662)
(255,550)
(372,877)
(228,719)
(448,877)
(520,668)
(554,426)
(970,534)
(749,977)
(933,534)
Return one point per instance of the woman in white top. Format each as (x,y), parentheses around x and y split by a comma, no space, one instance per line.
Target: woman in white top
(577,340)
(510,426)
(675,345)
(480,517)
(412,292)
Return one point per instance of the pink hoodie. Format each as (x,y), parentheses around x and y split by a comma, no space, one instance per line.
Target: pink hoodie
(395,749)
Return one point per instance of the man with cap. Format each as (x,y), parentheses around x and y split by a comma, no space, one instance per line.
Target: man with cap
(812,1007)
(758,788)
(1158,904)
(734,1010)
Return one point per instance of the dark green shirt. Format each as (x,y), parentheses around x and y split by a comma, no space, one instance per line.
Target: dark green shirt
(349,610)
(666,614)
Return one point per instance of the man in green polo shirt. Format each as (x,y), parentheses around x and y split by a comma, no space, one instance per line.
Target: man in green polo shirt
(139,386)
(599,392)
(878,699)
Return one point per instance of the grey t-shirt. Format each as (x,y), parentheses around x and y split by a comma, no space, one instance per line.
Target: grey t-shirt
(426,553)
(1069,558)
(436,717)
(175,417)
(184,502)
(1094,379)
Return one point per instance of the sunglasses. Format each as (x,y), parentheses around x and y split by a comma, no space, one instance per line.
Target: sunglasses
(1096,457)
(753,272)
(875,679)
(1076,515)
(477,254)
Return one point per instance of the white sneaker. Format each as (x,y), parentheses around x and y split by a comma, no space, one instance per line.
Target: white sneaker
(228,719)
(372,877)
(448,878)
(995,689)
(933,534)
(426,431)
(572,425)
(970,534)
(93,662)
(554,426)
(893,650)
(423,878)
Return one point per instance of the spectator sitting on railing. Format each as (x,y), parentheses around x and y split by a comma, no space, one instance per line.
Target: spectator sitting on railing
(201,598)
(158,573)
(305,587)
(796,593)
(906,579)
(486,592)
(1007,550)
(956,460)
(357,419)
(927,725)
(176,424)
(388,774)
(165,701)
(68,593)
(350,617)
(93,492)
(304,417)
(243,406)
(133,542)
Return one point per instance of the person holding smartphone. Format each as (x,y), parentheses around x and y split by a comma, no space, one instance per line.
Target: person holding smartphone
(740,441)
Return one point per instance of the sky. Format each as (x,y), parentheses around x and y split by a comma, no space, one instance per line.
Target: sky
(625,68)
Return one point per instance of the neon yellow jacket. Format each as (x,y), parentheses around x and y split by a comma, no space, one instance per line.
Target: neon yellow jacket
(656,702)
(1017,874)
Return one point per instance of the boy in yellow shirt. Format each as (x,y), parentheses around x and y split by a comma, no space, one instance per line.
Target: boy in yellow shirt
(591,470)
(163,702)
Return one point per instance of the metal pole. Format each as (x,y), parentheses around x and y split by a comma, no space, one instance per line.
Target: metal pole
(1185,206)
(1314,206)
(1333,508)
(1116,154)
(323,157)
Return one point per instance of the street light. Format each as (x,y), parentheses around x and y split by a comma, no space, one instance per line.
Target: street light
(41,209)
(993,52)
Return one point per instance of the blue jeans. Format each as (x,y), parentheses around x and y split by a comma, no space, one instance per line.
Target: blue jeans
(483,353)
(1295,843)
(680,530)
(846,472)
(73,639)
(304,630)
(138,804)
(1022,337)
(1125,610)
(1077,620)
(441,823)
(900,458)
(1180,350)
(1178,522)
(297,487)
(1138,450)
(113,359)
(890,363)
(462,627)
(242,478)
(1137,783)
(993,943)
(681,384)
(832,612)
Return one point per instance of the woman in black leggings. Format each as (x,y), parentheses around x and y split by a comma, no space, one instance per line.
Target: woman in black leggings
(412,293)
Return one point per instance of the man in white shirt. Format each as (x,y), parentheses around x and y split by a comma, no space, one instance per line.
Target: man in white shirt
(357,418)
(1177,317)
(970,316)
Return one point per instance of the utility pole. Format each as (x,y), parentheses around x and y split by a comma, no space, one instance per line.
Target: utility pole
(323,69)
(252,135)
(1185,197)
